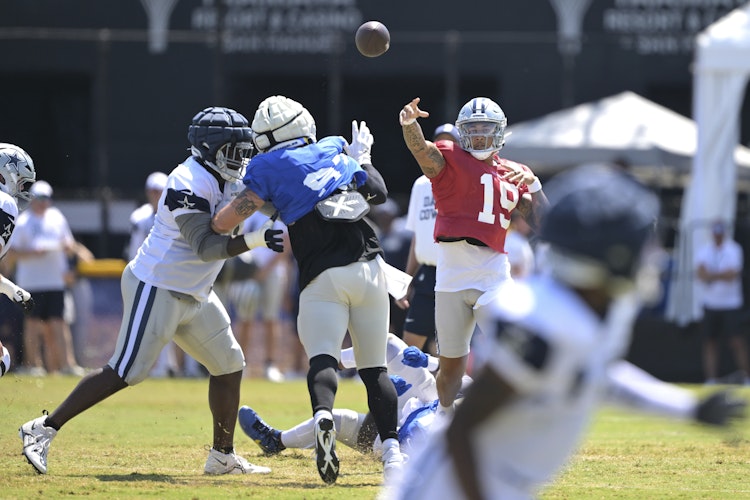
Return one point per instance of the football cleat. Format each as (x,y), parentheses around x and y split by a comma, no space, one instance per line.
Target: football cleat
(268,438)
(36,440)
(228,463)
(325,450)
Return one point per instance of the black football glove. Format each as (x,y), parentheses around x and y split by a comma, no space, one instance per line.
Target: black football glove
(267,236)
(273,240)
(721,408)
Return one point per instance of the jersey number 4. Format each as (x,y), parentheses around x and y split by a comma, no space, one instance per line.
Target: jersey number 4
(508,201)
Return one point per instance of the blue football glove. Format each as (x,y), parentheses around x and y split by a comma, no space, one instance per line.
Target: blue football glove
(401,385)
(414,357)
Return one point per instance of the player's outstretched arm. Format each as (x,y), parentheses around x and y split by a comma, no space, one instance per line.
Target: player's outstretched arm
(629,386)
(428,156)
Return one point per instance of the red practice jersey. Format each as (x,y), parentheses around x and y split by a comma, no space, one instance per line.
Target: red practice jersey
(471,198)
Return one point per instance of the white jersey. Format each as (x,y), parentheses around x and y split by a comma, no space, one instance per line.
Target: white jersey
(8,216)
(51,233)
(420,219)
(554,351)
(141,222)
(166,260)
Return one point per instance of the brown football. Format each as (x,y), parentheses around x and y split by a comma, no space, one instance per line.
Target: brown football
(372,39)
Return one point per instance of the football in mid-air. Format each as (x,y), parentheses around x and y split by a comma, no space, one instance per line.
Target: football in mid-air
(372,39)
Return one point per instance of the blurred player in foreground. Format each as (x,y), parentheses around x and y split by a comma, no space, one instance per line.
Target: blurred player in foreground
(167,294)
(554,352)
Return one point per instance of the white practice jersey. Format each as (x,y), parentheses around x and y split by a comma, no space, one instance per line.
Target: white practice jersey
(555,352)
(420,219)
(8,216)
(166,260)
(141,222)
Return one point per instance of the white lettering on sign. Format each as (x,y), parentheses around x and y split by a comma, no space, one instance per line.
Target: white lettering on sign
(279,26)
(662,27)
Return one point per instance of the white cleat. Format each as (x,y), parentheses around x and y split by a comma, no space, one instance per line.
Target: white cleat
(228,463)
(36,440)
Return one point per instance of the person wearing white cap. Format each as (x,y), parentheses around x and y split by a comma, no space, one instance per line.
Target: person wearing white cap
(42,244)
(141,222)
(142,218)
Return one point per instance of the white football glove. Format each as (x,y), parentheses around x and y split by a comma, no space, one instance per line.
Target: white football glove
(16,293)
(361,144)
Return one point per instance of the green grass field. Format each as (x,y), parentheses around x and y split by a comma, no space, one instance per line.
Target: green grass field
(150,441)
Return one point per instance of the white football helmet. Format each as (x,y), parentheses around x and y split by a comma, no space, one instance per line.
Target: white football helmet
(279,121)
(17,172)
(481,118)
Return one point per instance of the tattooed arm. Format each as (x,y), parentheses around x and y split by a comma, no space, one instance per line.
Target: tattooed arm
(532,207)
(428,156)
(241,207)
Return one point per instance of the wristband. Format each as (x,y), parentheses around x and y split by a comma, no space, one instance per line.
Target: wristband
(535,186)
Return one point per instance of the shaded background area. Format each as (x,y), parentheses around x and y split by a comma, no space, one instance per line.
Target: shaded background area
(101,93)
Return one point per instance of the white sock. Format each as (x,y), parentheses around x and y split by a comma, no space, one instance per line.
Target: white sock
(445,410)
(390,446)
(322,414)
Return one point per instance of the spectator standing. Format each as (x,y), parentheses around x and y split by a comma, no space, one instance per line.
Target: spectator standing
(719,266)
(142,218)
(321,191)
(167,294)
(419,324)
(475,192)
(42,247)
(141,222)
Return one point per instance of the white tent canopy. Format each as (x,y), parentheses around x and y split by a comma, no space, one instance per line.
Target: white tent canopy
(721,71)
(624,127)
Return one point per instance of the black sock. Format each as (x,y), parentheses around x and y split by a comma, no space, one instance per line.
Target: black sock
(50,423)
(226,450)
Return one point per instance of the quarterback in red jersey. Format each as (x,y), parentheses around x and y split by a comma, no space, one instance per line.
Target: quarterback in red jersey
(475,192)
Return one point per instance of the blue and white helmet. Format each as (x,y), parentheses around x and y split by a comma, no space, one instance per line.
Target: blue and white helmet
(282,122)
(222,139)
(481,118)
(17,172)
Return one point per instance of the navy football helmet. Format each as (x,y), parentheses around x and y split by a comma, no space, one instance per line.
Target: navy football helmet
(222,138)
(598,224)
(17,172)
